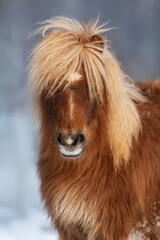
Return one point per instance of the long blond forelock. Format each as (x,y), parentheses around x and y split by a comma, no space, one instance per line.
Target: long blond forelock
(66,46)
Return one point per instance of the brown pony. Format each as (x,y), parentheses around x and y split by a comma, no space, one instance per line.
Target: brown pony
(99,161)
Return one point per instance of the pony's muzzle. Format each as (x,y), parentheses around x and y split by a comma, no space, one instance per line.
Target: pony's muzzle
(70,145)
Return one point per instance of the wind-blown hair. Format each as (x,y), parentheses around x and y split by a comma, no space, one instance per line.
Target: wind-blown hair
(68,45)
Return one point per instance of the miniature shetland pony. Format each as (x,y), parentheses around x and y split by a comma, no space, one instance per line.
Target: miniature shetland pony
(99,161)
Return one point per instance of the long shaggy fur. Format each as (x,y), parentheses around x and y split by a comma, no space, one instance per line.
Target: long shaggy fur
(115,188)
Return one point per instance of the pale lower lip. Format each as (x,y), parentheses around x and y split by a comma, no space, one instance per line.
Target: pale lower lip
(73,154)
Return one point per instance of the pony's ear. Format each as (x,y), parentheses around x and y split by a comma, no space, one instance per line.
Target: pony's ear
(98,41)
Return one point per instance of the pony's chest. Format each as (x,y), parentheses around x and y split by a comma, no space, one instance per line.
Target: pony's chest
(73,208)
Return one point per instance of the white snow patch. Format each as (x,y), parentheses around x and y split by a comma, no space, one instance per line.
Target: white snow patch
(136,236)
(34,227)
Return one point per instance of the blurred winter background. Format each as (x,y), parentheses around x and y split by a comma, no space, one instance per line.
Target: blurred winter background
(136,43)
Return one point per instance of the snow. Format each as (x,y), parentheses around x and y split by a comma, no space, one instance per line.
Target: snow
(34,227)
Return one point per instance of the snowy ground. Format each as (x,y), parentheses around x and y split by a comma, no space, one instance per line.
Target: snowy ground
(34,227)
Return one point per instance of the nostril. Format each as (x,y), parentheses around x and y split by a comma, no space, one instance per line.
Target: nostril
(79,139)
(60,139)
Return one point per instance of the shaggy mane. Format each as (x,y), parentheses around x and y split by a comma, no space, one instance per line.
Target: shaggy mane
(66,47)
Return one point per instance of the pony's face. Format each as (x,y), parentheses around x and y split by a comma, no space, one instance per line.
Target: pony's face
(74,119)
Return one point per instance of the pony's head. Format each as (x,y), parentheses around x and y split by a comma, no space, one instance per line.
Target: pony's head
(85,100)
